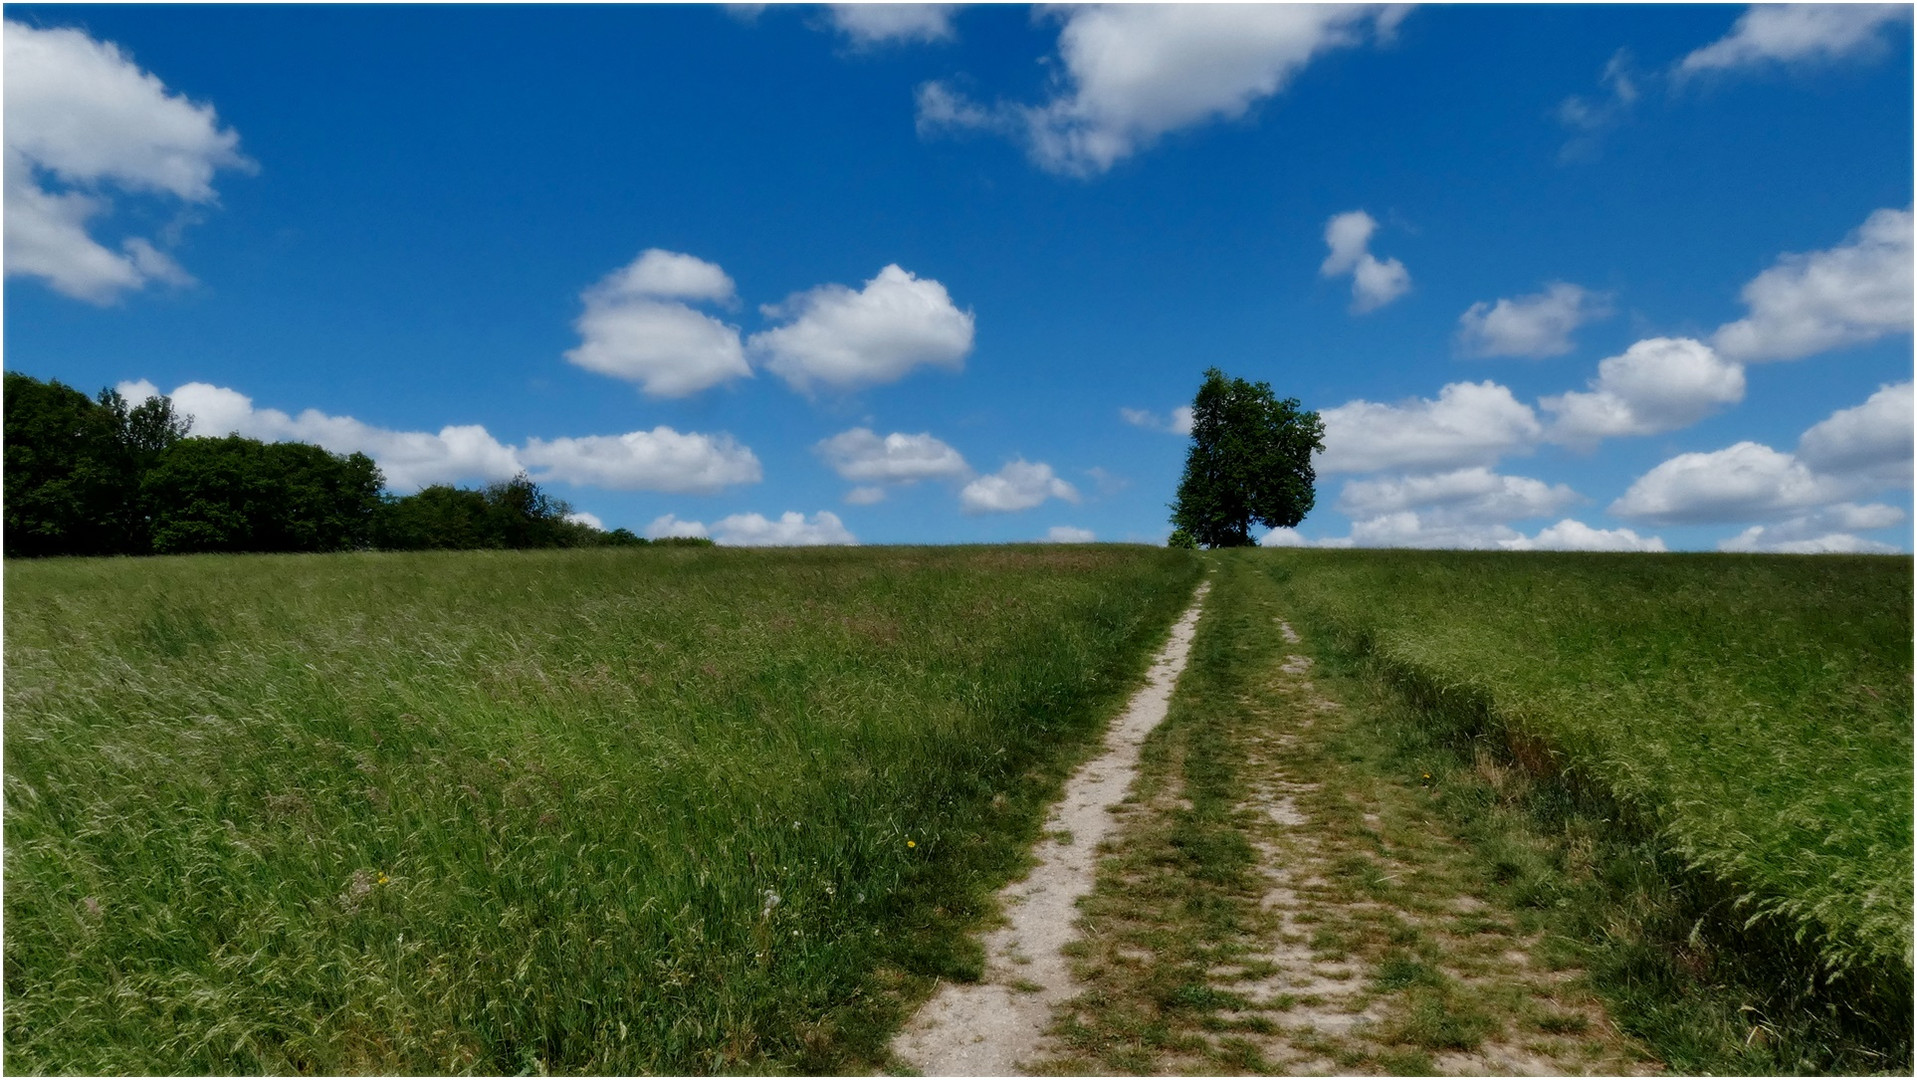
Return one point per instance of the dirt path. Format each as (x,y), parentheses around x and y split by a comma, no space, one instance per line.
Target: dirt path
(992,1027)
(1282,901)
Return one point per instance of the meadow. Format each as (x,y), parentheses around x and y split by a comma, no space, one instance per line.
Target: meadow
(610,811)
(1719,747)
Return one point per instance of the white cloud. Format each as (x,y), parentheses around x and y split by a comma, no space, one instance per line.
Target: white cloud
(1177,422)
(1130,74)
(792,529)
(409,459)
(1409,529)
(79,112)
(1570,535)
(1658,384)
(1873,439)
(1796,34)
(1468,424)
(1741,482)
(868,25)
(1283,537)
(1373,284)
(658,460)
(581,517)
(667,525)
(865,496)
(862,456)
(637,327)
(1536,325)
(1827,530)
(847,339)
(1855,292)
(940,107)
(1068,534)
(1020,485)
(1753,539)
(1474,495)
(1852,452)
(1589,118)
(669,275)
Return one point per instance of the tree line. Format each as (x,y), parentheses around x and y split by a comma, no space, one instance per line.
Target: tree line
(101,476)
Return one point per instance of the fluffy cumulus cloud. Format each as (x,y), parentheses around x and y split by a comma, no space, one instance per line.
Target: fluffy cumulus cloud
(1283,537)
(1468,424)
(1738,483)
(1373,283)
(409,459)
(1176,422)
(638,326)
(1852,452)
(1658,384)
(658,460)
(793,529)
(1572,535)
(581,517)
(863,456)
(1069,534)
(845,339)
(1830,530)
(669,526)
(1855,292)
(1769,34)
(1020,485)
(1463,496)
(1536,325)
(82,121)
(1410,529)
(1129,74)
(872,25)
(1872,440)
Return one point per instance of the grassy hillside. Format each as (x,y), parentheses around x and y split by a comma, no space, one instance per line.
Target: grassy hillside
(608,811)
(1751,715)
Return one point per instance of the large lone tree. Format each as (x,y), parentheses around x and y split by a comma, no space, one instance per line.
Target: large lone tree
(1250,461)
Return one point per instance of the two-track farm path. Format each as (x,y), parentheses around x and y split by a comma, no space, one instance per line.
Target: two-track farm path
(1251,901)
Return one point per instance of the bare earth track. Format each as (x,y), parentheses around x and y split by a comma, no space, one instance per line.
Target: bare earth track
(988,1028)
(1347,940)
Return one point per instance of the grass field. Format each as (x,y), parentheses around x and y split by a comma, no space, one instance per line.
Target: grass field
(602,811)
(1738,727)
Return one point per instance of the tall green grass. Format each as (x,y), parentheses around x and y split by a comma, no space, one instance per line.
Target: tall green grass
(1751,714)
(610,811)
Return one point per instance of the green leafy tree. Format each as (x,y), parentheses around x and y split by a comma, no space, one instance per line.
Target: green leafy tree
(73,467)
(511,514)
(240,494)
(525,517)
(439,516)
(1250,461)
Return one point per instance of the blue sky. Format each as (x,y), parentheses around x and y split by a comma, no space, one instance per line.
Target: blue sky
(1603,277)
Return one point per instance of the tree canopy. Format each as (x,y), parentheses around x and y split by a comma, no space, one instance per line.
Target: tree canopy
(95,476)
(73,466)
(1249,462)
